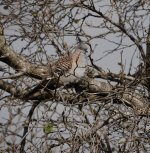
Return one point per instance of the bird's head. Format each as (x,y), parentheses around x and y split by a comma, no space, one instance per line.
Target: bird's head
(82,45)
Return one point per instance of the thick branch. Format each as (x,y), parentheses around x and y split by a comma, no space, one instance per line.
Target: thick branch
(101,89)
(8,87)
(18,62)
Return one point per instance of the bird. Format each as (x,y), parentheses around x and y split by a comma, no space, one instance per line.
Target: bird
(69,68)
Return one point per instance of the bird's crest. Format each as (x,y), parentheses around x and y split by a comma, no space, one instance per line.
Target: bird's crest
(81,44)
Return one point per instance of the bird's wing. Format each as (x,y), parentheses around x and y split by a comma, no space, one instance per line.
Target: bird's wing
(62,65)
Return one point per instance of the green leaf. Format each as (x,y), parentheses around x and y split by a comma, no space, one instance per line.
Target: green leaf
(39,49)
(48,128)
(34,14)
(76,21)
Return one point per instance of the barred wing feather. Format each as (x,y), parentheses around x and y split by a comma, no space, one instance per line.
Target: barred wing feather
(63,65)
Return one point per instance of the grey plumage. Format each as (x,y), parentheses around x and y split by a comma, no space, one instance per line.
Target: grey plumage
(82,46)
(66,64)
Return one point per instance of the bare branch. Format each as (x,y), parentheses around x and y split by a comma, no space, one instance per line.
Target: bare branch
(148,49)
(132,38)
(8,87)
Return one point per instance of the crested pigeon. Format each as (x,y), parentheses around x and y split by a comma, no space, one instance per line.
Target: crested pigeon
(71,67)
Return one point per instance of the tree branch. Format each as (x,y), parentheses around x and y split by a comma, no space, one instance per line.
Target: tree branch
(132,38)
(9,88)
(148,49)
(26,126)
(18,62)
(147,67)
